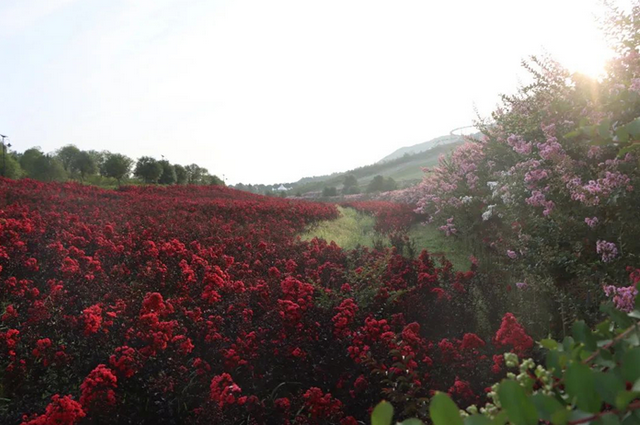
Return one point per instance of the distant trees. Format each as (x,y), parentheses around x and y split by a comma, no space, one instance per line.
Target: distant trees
(381,184)
(329,191)
(84,164)
(71,162)
(67,155)
(148,169)
(117,166)
(48,168)
(168,175)
(28,160)
(195,173)
(181,174)
(350,185)
(10,166)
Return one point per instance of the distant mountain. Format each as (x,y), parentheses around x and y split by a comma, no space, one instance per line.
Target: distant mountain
(422,147)
(405,166)
(405,170)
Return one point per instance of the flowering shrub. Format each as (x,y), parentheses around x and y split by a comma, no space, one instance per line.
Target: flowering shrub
(549,197)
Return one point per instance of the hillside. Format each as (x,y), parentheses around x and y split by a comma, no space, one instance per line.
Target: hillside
(422,147)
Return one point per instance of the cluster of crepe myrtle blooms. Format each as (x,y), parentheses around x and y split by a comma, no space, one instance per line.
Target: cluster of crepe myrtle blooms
(200,305)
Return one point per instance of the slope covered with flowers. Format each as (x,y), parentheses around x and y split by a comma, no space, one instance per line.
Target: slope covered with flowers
(200,305)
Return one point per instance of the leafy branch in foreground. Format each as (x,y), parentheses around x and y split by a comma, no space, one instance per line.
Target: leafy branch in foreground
(591,377)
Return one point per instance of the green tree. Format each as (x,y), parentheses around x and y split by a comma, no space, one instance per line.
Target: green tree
(148,169)
(84,164)
(28,160)
(67,155)
(47,168)
(350,185)
(376,185)
(11,166)
(389,184)
(168,175)
(329,191)
(195,173)
(117,166)
(99,157)
(181,174)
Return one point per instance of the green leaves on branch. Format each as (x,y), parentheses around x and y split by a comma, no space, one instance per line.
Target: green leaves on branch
(590,378)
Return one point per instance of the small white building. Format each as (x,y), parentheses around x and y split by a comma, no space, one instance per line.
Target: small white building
(282,188)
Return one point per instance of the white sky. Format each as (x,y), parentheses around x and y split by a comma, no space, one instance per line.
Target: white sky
(270,91)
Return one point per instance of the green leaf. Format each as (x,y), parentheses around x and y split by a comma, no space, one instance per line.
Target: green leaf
(582,333)
(547,406)
(382,414)
(604,129)
(580,384)
(630,365)
(608,385)
(622,135)
(412,421)
(500,418)
(443,411)
(520,410)
(553,362)
(477,419)
(633,129)
(619,317)
(550,344)
(624,398)
(609,419)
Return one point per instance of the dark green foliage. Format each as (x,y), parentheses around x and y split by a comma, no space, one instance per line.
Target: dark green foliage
(10,166)
(350,185)
(67,155)
(47,168)
(195,174)
(329,191)
(148,169)
(28,160)
(181,174)
(117,166)
(168,175)
(381,184)
(84,164)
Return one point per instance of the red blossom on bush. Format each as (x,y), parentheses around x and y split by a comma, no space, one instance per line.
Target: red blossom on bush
(98,388)
(61,411)
(511,333)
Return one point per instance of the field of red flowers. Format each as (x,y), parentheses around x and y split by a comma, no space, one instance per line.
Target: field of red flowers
(201,305)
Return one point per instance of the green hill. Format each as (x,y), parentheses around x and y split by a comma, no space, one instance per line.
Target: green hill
(406,170)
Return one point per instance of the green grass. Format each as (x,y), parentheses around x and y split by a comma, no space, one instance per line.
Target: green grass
(435,242)
(353,228)
(350,230)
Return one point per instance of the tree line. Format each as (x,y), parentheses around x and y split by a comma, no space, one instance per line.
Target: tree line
(351,186)
(101,168)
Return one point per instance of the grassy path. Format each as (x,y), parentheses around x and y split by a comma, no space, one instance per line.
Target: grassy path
(353,228)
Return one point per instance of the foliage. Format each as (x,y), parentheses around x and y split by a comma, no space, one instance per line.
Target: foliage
(28,160)
(117,166)
(47,168)
(168,175)
(329,191)
(84,164)
(67,155)
(181,174)
(148,169)
(381,184)
(350,185)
